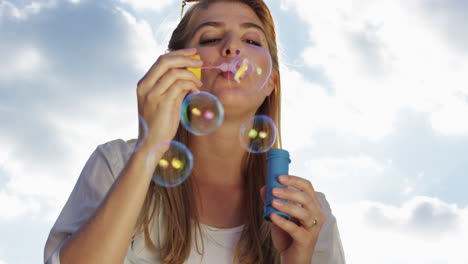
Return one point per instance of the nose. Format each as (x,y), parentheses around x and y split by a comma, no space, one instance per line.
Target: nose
(231,48)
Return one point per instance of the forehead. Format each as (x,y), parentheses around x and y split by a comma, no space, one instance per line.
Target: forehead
(228,12)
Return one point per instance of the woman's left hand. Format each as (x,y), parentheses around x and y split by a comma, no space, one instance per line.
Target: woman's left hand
(296,238)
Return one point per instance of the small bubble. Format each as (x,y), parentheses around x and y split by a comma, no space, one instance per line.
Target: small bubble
(258,134)
(201,113)
(173,173)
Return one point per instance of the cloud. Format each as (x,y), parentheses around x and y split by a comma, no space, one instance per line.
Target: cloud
(20,64)
(311,109)
(450,118)
(67,84)
(422,230)
(412,160)
(338,168)
(14,206)
(10,10)
(449,17)
(147,4)
(352,177)
(376,113)
(427,217)
(381,58)
(144,40)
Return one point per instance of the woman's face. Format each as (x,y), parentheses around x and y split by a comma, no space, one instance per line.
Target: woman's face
(219,32)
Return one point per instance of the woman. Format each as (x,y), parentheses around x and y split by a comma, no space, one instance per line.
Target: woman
(117,214)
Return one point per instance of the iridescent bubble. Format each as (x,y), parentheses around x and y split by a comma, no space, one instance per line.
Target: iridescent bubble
(258,134)
(201,113)
(247,72)
(174,166)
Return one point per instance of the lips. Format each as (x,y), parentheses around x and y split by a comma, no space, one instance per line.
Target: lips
(227,75)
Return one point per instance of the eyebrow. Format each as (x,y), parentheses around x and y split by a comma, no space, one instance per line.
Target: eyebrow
(245,25)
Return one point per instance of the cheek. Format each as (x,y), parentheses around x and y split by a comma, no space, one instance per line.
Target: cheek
(207,54)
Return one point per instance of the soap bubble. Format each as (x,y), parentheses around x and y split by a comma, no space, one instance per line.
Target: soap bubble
(201,113)
(174,166)
(258,134)
(247,72)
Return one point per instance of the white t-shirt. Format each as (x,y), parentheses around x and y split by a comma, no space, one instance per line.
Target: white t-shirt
(98,175)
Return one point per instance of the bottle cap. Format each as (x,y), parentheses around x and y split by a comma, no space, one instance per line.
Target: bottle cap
(278,153)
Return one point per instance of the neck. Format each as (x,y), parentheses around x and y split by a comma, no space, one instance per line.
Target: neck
(217,175)
(218,157)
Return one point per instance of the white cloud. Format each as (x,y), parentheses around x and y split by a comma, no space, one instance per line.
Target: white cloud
(14,206)
(148,4)
(34,7)
(349,177)
(452,118)
(339,168)
(381,57)
(21,63)
(77,134)
(3,262)
(145,47)
(423,230)
(425,217)
(308,109)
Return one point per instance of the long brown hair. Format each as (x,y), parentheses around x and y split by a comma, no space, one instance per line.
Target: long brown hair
(174,209)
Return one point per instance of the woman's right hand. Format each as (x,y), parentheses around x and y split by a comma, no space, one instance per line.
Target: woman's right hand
(160,94)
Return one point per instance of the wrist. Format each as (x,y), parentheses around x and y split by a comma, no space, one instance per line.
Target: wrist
(295,259)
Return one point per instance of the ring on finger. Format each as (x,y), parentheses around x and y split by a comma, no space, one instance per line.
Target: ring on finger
(313,224)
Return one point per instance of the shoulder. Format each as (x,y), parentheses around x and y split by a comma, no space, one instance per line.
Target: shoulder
(117,147)
(115,153)
(106,163)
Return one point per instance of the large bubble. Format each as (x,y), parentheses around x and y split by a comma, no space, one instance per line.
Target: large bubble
(201,113)
(258,134)
(247,72)
(174,166)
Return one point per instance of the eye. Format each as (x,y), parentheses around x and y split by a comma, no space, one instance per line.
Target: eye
(253,42)
(208,41)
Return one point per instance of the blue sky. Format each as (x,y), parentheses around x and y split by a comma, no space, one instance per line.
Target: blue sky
(375,112)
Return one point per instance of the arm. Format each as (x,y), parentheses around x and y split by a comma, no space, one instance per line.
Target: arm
(104,238)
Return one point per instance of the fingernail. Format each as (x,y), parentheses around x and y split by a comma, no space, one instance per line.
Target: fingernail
(198,62)
(283,178)
(277,190)
(278,202)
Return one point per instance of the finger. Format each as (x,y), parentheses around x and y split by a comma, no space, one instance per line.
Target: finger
(300,184)
(263,194)
(305,216)
(181,52)
(177,92)
(166,82)
(163,64)
(180,99)
(166,64)
(291,228)
(172,76)
(296,196)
